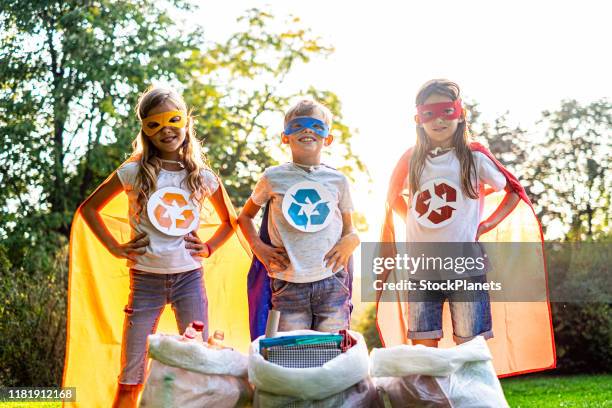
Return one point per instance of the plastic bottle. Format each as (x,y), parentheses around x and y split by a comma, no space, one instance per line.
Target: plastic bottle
(190,333)
(216,340)
(199,328)
(193,332)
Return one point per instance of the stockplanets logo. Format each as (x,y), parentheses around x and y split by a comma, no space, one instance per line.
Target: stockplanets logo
(171,211)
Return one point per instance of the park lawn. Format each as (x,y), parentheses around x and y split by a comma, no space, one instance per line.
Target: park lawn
(521,392)
(559,391)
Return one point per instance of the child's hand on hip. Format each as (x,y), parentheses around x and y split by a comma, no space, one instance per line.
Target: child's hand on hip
(196,247)
(271,257)
(132,248)
(339,255)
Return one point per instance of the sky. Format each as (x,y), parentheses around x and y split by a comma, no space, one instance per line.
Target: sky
(520,56)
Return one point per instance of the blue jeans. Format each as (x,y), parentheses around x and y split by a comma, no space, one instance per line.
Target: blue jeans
(470,313)
(321,305)
(149,294)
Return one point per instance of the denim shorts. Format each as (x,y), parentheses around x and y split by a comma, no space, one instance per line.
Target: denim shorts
(470,313)
(149,294)
(321,305)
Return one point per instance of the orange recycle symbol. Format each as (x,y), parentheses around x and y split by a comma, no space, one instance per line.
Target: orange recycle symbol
(171,211)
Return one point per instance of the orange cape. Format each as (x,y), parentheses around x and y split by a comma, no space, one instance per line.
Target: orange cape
(98,291)
(523,331)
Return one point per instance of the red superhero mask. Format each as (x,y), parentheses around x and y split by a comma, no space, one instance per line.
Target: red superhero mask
(444,110)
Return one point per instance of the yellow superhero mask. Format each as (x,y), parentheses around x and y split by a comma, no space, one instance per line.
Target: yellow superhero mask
(153,124)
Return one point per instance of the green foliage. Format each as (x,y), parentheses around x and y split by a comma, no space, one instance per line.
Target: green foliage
(508,145)
(68,72)
(566,170)
(583,334)
(33,322)
(580,275)
(71,115)
(235,90)
(571,169)
(366,325)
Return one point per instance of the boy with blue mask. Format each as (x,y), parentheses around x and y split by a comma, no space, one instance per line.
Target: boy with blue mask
(310,227)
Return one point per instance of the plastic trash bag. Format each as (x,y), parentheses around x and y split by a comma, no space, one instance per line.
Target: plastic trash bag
(361,395)
(419,376)
(189,374)
(341,382)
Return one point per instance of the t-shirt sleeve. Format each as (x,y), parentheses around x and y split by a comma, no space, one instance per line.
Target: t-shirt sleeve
(127,175)
(488,173)
(346,202)
(261,192)
(210,180)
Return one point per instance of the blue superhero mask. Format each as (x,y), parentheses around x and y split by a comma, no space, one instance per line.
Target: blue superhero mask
(299,124)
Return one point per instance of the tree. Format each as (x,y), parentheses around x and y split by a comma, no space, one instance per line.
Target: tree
(68,73)
(570,170)
(235,88)
(566,172)
(70,98)
(508,144)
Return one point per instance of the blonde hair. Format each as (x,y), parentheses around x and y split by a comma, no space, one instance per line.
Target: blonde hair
(147,154)
(461,140)
(307,107)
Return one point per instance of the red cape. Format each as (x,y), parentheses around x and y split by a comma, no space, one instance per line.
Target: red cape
(524,340)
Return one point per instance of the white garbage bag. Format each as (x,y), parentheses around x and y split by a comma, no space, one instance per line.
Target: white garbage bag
(461,376)
(189,374)
(342,381)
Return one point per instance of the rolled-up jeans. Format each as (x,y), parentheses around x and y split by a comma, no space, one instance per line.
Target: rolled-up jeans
(470,313)
(149,294)
(322,305)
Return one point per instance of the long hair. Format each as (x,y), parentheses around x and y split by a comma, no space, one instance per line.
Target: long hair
(460,141)
(147,154)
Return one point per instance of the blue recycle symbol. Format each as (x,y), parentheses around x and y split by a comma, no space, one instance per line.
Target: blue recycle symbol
(308,197)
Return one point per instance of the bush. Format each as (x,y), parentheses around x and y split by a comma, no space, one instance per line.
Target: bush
(583,334)
(33,320)
(583,329)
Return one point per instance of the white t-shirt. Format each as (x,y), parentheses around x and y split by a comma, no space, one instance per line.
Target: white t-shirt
(439,211)
(305,216)
(165,253)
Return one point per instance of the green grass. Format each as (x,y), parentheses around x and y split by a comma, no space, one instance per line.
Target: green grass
(521,392)
(568,391)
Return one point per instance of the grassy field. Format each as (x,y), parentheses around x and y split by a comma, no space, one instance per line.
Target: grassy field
(570,391)
(523,392)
